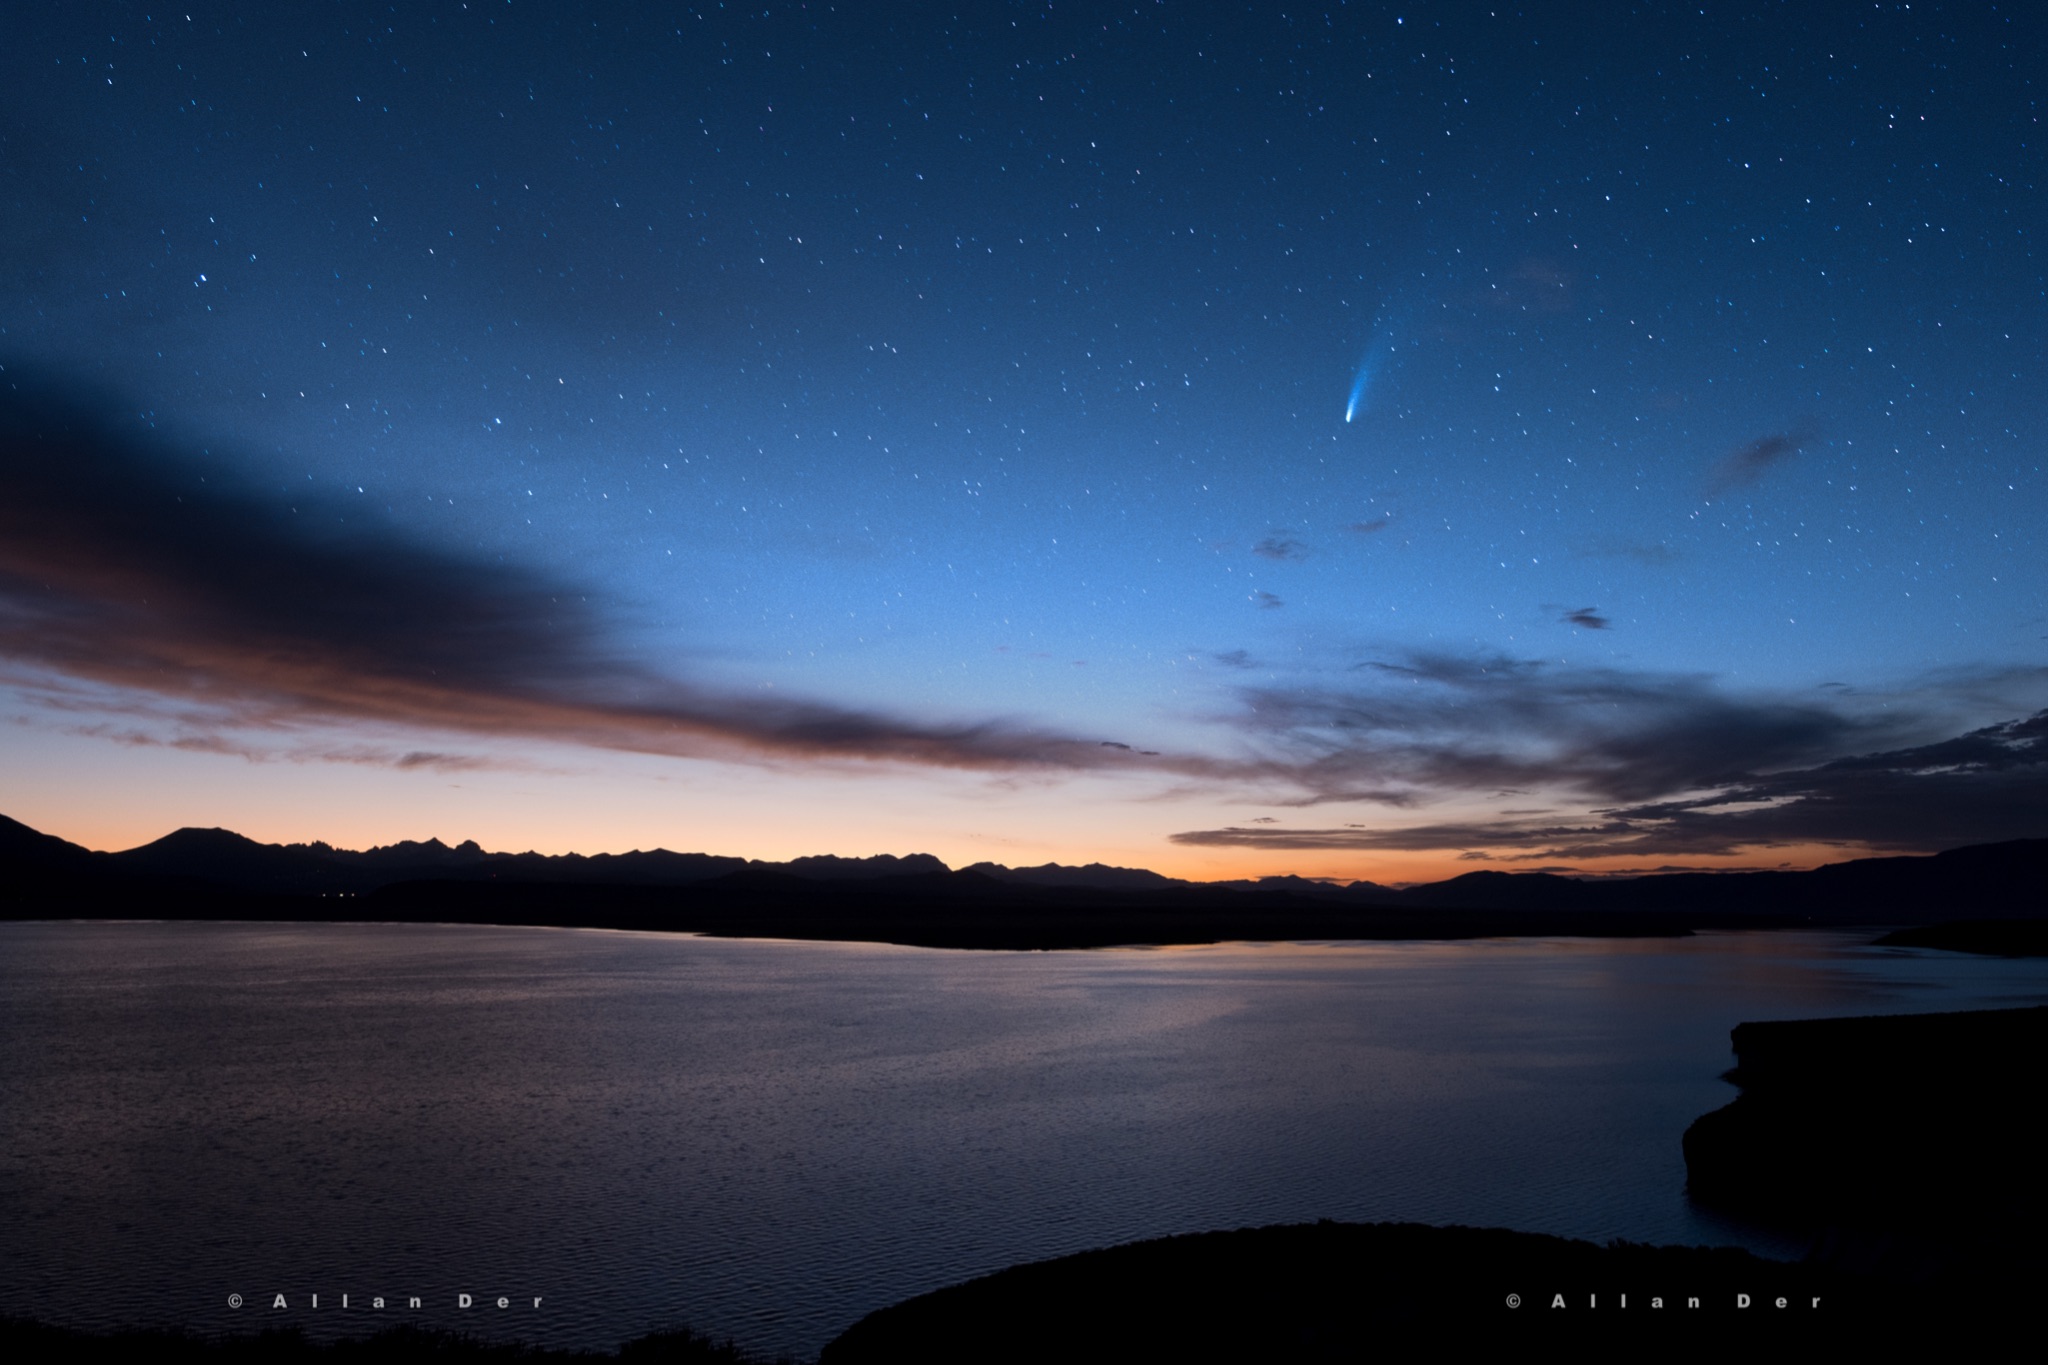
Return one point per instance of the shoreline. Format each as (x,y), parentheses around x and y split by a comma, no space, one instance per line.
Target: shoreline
(946,911)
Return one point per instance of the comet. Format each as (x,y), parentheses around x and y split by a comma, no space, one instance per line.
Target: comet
(1368,366)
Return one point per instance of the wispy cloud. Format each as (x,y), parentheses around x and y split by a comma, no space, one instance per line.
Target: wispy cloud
(1267,601)
(1743,467)
(1652,555)
(130,563)
(1988,784)
(1412,838)
(1280,545)
(1587,617)
(136,737)
(1443,723)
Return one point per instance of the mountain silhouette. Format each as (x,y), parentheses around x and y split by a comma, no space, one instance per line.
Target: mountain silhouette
(219,874)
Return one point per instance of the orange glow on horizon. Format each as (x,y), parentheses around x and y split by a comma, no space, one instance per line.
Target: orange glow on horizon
(122,830)
(559,799)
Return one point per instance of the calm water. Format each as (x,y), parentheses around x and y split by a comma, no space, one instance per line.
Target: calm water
(770,1139)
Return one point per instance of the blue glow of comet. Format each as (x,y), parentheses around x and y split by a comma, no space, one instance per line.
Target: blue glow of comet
(1385,333)
(1368,366)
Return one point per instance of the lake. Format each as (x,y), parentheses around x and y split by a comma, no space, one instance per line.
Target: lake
(769,1139)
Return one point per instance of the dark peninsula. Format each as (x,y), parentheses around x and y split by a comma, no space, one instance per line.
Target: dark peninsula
(1905,1143)
(1990,937)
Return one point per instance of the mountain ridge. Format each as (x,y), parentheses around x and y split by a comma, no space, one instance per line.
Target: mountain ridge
(196,873)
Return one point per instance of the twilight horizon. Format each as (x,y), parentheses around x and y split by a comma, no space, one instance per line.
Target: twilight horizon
(1370,444)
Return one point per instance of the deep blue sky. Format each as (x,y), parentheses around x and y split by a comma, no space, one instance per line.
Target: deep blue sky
(974,380)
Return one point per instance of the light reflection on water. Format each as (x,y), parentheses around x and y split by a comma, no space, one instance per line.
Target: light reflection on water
(769,1139)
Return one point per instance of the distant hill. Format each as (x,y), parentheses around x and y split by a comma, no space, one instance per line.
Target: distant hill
(1357,1292)
(1094,874)
(218,874)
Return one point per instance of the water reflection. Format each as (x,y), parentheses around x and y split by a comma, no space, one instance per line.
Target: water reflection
(769,1139)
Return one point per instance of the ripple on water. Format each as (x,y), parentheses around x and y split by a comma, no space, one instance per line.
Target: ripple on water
(768,1140)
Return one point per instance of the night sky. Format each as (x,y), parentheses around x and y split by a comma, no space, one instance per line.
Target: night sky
(1359,440)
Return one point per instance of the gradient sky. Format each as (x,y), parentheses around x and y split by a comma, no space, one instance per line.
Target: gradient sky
(1366,440)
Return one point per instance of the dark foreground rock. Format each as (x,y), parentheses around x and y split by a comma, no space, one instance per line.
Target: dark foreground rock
(1908,1143)
(22,1339)
(1991,937)
(1347,1291)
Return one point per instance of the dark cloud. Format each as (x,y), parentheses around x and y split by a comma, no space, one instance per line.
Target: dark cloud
(1589,617)
(1267,601)
(1280,545)
(363,755)
(1414,838)
(126,562)
(447,763)
(1641,553)
(1745,466)
(1236,658)
(1433,723)
(1986,785)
